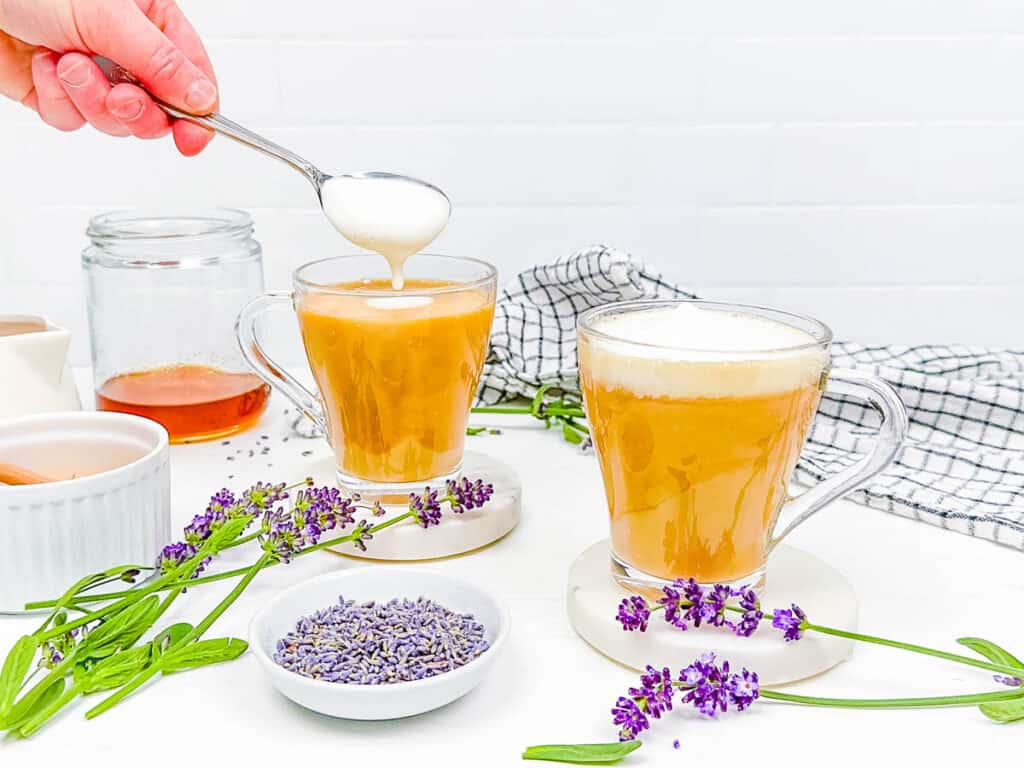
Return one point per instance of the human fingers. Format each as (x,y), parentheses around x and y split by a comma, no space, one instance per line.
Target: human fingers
(189,137)
(53,103)
(136,43)
(137,112)
(87,87)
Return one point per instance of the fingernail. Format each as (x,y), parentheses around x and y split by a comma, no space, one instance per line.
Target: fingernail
(128,110)
(75,75)
(201,95)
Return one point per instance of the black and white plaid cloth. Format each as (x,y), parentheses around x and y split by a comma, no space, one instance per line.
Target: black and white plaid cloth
(962,467)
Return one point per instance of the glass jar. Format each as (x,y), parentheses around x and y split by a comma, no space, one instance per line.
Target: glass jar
(164,289)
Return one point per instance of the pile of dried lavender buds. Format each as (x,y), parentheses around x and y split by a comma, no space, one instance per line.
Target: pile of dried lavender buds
(377,643)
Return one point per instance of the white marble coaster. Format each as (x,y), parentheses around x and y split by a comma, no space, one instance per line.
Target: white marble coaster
(794,576)
(456,534)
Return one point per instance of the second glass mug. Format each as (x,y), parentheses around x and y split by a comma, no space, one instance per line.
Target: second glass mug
(697,446)
(396,371)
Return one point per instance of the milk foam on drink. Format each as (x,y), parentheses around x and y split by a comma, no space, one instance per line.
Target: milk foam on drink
(394,217)
(689,351)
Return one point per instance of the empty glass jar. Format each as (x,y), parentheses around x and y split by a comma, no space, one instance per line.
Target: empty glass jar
(164,289)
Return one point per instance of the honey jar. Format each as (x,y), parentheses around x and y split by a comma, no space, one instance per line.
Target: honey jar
(164,289)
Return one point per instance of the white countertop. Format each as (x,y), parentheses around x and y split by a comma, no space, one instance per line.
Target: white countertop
(915,582)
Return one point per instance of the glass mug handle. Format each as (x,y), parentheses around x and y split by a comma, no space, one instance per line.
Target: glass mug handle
(309,403)
(883,398)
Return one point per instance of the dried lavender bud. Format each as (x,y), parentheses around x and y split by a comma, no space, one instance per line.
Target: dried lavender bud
(380,643)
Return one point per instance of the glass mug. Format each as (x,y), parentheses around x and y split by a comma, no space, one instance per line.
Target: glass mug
(698,421)
(396,371)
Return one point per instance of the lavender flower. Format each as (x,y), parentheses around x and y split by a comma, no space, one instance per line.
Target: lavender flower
(752,614)
(791,622)
(743,689)
(284,538)
(634,613)
(323,507)
(173,555)
(361,534)
(632,720)
(654,696)
(220,502)
(425,507)
(711,688)
(705,685)
(263,496)
(199,529)
(674,605)
(465,495)
(378,509)
(49,657)
(1013,682)
(686,603)
(712,608)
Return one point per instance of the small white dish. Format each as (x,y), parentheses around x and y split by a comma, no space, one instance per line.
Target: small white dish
(114,510)
(381,583)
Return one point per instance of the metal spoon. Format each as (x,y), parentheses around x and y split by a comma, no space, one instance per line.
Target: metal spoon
(217,122)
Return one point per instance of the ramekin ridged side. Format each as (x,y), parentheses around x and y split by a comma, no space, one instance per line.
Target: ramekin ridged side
(53,534)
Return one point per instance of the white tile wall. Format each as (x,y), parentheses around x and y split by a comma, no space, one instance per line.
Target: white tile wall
(860,161)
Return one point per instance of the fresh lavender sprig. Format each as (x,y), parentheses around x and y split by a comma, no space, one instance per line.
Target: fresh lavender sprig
(709,686)
(712,688)
(685,603)
(283,533)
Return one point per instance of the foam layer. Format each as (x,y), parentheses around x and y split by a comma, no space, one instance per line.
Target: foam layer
(707,353)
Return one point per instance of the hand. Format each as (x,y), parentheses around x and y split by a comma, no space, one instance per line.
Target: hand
(45,63)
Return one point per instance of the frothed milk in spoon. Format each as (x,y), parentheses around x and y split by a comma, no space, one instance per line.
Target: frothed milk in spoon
(394,217)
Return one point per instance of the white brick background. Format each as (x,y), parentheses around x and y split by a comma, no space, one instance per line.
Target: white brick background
(863,162)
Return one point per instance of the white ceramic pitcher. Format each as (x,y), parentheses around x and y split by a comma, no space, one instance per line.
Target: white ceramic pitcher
(35,376)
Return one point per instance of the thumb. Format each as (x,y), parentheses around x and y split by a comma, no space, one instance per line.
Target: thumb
(134,42)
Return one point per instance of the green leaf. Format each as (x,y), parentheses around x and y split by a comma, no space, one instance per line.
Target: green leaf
(16,666)
(227,533)
(1004,711)
(582,753)
(27,708)
(122,630)
(538,400)
(202,653)
(570,434)
(115,671)
(171,636)
(992,652)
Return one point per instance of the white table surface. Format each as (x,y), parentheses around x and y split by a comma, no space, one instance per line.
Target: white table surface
(916,583)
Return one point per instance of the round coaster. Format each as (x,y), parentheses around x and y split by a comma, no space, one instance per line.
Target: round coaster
(794,576)
(456,534)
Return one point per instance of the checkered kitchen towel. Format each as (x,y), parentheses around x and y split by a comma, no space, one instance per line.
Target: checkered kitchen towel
(962,467)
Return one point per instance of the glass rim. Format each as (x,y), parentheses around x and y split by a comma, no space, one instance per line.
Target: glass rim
(115,226)
(300,282)
(170,238)
(822,339)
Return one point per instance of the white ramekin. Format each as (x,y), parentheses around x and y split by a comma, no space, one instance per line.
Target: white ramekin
(52,534)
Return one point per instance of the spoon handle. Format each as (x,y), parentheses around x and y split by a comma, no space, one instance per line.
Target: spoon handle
(217,122)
